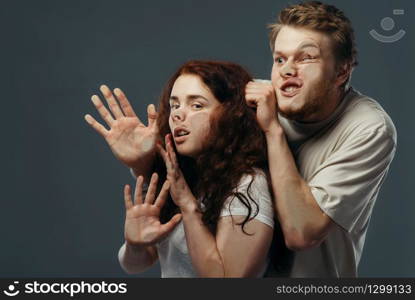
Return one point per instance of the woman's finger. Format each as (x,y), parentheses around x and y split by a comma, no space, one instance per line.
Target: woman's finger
(172,153)
(161,199)
(97,126)
(125,104)
(152,115)
(112,102)
(138,193)
(169,149)
(151,192)
(127,197)
(164,156)
(102,110)
(169,226)
(160,150)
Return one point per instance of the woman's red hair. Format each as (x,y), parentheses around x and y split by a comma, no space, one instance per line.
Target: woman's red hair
(235,146)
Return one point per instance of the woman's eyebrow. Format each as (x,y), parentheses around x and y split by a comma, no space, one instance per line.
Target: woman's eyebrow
(189,97)
(193,97)
(278,53)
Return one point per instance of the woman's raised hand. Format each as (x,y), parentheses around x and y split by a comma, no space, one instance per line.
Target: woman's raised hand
(142,220)
(179,189)
(129,139)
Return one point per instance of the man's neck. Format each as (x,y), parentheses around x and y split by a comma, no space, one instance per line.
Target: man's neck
(333,102)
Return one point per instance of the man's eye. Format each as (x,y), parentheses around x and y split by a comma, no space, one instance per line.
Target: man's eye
(308,57)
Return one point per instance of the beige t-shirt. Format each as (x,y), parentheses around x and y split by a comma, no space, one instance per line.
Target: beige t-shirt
(344,160)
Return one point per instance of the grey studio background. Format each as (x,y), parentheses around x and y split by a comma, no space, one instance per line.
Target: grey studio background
(62,210)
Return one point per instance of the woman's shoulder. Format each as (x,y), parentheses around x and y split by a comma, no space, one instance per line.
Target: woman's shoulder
(257,179)
(253,192)
(255,185)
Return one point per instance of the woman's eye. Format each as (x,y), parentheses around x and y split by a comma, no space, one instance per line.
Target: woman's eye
(279,60)
(197,105)
(174,106)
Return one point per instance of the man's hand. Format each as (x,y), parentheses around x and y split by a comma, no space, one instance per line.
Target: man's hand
(142,221)
(261,94)
(129,139)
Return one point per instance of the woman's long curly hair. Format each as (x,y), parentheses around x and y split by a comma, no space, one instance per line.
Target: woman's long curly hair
(235,145)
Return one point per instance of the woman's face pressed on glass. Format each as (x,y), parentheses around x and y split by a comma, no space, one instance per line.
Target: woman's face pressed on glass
(192,106)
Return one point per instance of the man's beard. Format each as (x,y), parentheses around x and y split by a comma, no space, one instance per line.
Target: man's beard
(313,103)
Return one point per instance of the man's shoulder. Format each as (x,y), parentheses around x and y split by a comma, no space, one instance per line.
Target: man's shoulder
(364,115)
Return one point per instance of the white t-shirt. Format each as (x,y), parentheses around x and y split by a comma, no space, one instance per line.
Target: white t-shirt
(344,160)
(172,251)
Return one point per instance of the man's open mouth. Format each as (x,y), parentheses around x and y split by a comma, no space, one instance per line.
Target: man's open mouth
(291,86)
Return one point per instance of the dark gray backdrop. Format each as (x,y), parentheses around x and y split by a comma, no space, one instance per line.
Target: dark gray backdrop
(62,207)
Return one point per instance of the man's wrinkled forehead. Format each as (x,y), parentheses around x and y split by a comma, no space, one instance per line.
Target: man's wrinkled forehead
(291,39)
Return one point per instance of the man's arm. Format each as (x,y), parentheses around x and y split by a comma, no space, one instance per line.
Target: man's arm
(304,224)
(342,189)
(302,221)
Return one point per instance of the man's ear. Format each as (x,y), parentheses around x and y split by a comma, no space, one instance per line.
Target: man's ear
(343,73)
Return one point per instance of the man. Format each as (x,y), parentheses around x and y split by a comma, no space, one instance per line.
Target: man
(329,147)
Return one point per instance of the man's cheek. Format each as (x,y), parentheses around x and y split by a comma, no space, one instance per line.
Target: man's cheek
(274,75)
(311,73)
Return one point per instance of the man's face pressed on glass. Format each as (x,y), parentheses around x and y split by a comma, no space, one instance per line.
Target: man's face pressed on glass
(304,74)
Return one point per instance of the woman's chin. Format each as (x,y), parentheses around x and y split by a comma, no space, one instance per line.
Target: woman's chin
(183,151)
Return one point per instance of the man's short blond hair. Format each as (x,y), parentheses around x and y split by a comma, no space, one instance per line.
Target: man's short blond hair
(324,18)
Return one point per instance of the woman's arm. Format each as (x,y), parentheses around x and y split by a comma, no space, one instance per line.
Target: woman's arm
(142,228)
(231,253)
(136,259)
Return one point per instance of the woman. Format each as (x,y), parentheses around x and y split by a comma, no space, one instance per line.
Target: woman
(218,219)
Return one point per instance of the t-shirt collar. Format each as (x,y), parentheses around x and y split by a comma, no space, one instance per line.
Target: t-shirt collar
(298,132)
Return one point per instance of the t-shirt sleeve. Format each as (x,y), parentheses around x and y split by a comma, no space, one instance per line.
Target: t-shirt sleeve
(259,192)
(346,185)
